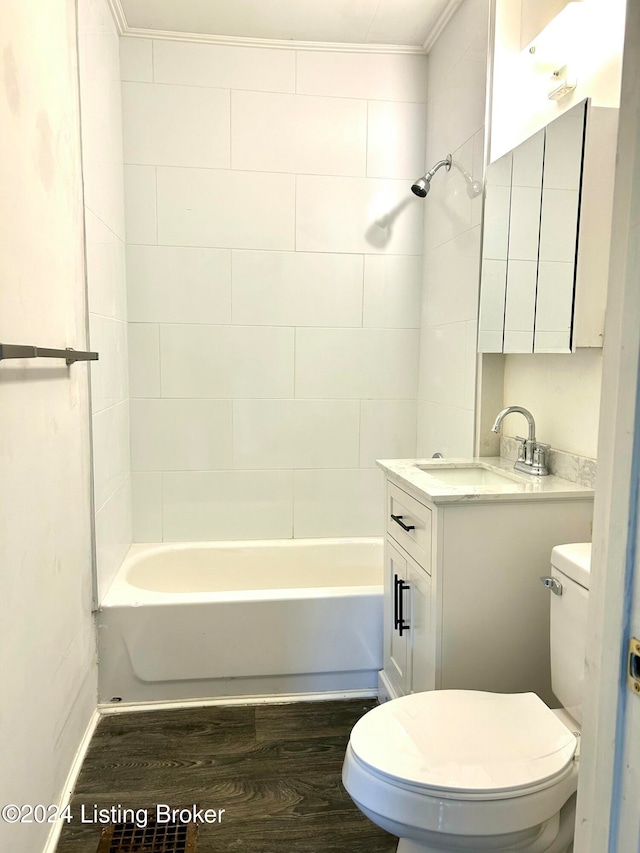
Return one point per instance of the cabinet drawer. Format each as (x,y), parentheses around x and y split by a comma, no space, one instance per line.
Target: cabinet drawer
(404,512)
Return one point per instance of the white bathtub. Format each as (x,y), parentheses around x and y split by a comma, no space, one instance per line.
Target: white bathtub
(242,619)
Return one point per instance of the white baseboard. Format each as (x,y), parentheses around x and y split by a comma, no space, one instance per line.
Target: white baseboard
(70,782)
(275,699)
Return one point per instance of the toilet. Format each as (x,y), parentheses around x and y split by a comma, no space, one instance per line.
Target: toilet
(465,770)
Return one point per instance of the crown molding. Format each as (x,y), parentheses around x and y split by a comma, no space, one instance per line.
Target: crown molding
(120,20)
(118,15)
(443,19)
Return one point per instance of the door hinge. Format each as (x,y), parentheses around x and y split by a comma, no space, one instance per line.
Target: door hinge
(633,665)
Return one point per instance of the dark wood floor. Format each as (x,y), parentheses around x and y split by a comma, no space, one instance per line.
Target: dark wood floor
(274,768)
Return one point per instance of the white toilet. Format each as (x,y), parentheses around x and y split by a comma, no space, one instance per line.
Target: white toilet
(463,770)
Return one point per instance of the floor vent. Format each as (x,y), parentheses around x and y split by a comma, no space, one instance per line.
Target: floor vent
(153,838)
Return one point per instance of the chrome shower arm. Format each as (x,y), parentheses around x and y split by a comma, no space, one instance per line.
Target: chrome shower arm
(446,162)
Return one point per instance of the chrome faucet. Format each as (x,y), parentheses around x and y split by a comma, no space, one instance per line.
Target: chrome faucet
(532,454)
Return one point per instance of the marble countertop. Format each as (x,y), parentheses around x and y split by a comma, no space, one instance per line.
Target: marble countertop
(407,474)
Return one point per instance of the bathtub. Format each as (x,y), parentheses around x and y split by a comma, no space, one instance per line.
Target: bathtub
(253,619)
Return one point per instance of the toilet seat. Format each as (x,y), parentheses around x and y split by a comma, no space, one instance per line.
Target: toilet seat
(465,745)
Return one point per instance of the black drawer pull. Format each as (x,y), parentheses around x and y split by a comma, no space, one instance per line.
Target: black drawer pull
(398,520)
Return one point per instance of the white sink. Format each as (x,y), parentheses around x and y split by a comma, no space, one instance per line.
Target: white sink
(473,474)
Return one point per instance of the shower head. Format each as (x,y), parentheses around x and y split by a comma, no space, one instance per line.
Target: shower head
(422,186)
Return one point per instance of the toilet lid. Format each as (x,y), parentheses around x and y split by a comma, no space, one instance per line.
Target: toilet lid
(465,742)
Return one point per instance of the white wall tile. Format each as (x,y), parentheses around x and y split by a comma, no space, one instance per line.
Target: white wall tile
(176,125)
(111,463)
(109,384)
(455,119)
(144,360)
(477,175)
(257,213)
(104,220)
(466,31)
(226,361)
(106,276)
(453,271)
(180,435)
(200,506)
(101,125)
(338,503)
(449,207)
(456,109)
(223,249)
(136,61)
(392,291)
(444,429)
(172,284)
(297,289)
(225,67)
(354,363)
(113,535)
(377,76)
(140,204)
(298,133)
(357,215)
(295,433)
(387,430)
(146,506)
(396,140)
(443,356)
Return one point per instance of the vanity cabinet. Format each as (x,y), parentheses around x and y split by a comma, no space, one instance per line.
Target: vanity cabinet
(464,605)
(407,662)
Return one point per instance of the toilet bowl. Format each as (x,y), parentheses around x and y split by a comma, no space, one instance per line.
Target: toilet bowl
(464,770)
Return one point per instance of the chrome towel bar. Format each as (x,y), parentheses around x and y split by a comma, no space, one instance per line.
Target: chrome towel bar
(69,354)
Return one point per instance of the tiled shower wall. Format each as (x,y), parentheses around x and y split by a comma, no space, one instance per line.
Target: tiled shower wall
(274,285)
(455,117)
(102,168)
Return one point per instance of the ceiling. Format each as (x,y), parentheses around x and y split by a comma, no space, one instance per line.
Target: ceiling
(356,22)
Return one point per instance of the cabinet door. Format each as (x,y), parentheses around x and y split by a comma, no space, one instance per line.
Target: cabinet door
(422,640)
(397,602)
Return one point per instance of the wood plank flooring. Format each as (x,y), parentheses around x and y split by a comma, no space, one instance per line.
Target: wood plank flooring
(276,769)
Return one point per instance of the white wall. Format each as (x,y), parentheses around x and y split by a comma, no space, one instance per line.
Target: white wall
(455,124)
(589,41)
(562,391)
(273,324)
(47,654)
(98,44)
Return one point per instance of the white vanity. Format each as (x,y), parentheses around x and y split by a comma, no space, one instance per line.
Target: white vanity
(467,542)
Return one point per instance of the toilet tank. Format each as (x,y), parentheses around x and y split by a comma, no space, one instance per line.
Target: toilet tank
(570,566)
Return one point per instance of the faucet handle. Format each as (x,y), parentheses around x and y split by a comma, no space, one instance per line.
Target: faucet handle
(522,448)
(540,456)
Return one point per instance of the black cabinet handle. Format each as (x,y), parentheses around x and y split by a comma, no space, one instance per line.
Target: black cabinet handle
(398,520)
(402,625)
(399,586)
(395,602)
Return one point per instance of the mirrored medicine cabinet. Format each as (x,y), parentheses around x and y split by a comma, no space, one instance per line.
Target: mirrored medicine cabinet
(546,235)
